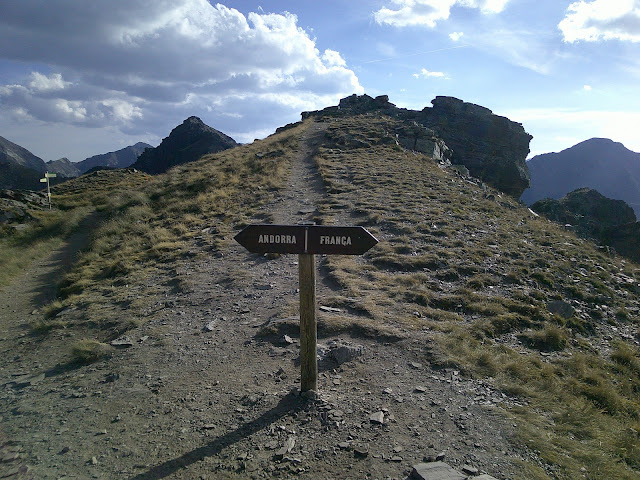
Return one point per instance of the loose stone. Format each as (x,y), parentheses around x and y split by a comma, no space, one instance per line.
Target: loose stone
(377,417)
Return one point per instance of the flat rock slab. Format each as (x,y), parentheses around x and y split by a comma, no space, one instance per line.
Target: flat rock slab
(436,471)
(484,476)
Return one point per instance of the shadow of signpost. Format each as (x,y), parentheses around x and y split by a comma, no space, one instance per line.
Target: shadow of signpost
(288,404)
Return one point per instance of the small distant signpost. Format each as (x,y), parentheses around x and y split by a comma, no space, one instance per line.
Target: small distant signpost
(46,178)
(307,240)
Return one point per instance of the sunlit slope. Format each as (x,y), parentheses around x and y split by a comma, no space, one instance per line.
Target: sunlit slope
(149,228)
(481,275)
(468,272)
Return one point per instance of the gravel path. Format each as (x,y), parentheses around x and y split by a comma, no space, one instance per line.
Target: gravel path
(198,394)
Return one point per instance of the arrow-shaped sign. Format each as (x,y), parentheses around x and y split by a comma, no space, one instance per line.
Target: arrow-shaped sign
(310,239)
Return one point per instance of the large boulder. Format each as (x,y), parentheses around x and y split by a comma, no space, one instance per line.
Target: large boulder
(493,148)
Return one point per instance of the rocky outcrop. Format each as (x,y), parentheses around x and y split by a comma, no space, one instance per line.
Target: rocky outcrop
(186,143)
(491,147)
(592,215)
(15,206)
(419,138)
(586,210)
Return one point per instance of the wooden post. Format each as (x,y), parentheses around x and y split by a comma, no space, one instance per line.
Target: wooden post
(308,323)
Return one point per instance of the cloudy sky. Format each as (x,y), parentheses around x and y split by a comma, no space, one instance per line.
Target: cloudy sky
(79,77)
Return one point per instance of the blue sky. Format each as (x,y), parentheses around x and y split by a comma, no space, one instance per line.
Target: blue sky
(79,78)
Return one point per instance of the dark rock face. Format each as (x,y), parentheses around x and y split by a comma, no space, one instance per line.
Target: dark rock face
(598,163)
(610,222)
(13,153)
(588,211)
(186,143)
(625,239)
(493,148)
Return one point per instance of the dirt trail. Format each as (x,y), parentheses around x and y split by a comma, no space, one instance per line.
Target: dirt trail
(199,395)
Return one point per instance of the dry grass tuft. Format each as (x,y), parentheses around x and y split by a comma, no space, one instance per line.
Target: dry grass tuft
(476,271)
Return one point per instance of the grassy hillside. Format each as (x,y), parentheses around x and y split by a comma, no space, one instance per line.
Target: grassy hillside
(149,227)
(73,202)
(481,272)
(474,270)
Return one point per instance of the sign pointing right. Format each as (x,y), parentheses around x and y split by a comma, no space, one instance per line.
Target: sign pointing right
(309,239)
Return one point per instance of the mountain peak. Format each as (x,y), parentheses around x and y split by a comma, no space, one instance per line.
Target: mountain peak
(598,163)
(187,142)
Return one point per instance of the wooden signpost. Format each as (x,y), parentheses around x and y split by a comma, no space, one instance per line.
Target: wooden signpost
(307,240)
(46,178)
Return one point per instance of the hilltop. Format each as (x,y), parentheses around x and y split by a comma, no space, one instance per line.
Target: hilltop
(187,142)
(475,330)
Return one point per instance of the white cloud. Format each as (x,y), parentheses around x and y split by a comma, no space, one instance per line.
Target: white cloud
(428,74)
(602,20)
(485,6)
(428,13)
(331,58)
(587,88)
(415,13)
(455,36)
(145,66)
(40,82)
(529,49)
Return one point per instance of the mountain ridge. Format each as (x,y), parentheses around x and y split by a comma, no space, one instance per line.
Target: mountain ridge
(474,329)
(597,163)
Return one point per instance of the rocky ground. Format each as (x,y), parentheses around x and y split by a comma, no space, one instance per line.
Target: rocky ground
(198,392)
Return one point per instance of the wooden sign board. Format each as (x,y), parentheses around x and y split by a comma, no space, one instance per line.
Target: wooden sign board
(306,239)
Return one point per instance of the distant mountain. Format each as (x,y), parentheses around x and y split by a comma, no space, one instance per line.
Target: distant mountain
(186,143)
(63,166)
(122,158)
(13,153)
(16,177)
(21,169)
(598,163)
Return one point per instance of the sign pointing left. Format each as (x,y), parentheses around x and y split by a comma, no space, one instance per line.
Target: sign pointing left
(310,239)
